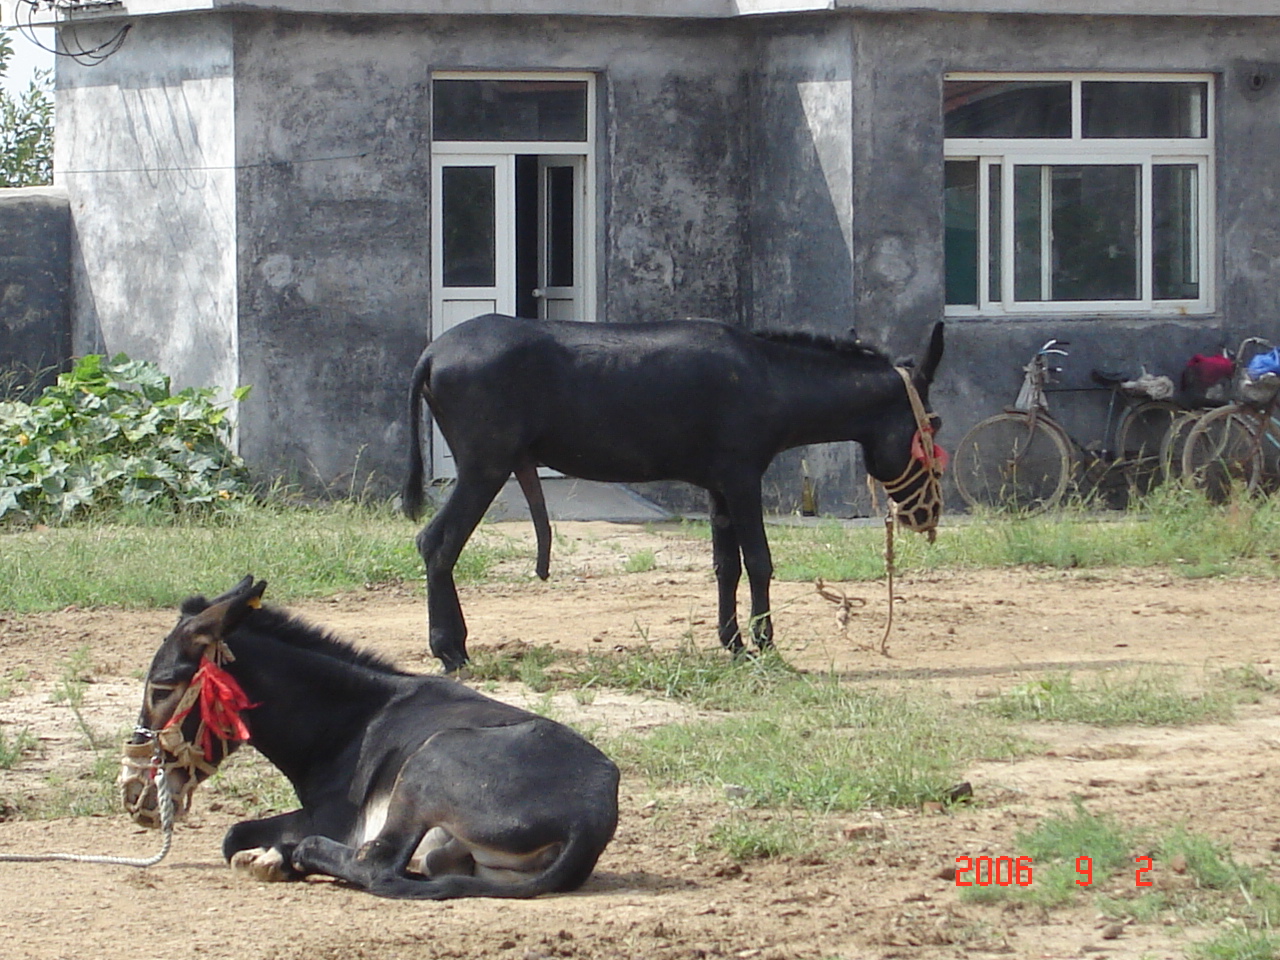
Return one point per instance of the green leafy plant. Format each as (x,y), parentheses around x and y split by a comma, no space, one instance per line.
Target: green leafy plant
(110,433)
(26,127)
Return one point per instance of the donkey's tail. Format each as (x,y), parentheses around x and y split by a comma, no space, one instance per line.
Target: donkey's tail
(411,493)
(527,475)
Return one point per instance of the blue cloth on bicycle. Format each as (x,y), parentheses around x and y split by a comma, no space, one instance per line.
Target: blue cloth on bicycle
(1268,362)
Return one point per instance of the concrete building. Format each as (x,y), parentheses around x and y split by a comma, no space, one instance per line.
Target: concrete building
(297,194)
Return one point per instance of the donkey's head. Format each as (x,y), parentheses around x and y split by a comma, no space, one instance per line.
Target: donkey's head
(904,456)
(190,720)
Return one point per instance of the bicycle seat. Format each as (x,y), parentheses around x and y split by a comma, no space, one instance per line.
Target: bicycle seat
(1112,378)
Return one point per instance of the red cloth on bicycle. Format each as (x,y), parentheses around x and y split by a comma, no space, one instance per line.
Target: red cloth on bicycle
(1205,371)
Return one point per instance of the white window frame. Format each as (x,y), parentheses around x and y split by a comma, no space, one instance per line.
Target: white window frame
(1077,150)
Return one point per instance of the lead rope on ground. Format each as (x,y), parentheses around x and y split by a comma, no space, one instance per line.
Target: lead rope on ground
(890,522)
(165,801)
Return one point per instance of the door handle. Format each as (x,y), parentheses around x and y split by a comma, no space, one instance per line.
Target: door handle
(539,293)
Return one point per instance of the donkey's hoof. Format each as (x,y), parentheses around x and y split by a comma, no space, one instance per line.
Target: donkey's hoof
(263,864)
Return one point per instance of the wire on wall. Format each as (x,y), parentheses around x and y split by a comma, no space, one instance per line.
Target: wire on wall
(89,56)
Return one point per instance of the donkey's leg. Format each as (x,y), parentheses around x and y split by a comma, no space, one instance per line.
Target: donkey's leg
(263,849)
(440,544)
(727,563)
(743,500)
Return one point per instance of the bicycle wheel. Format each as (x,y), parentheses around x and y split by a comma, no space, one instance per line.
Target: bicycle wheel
(1138,440)
(1175,441)
(1011,462)
(1223,453)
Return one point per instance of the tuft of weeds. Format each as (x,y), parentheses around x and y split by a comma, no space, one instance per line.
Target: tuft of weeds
(1147,697)
(70,689)
(743,837)
(511,663)
(13,749)
(642,561)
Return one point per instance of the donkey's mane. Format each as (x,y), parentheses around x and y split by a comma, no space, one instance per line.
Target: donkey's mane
(827,344)
(298,633)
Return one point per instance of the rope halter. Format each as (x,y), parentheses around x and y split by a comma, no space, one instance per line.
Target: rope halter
(920,509)
(220,699)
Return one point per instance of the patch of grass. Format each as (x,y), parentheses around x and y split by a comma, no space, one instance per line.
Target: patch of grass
(642,561)
(13,749)
(509,663)
(815,744)
(1069,851)
(1147,697)
(743,837)
(1238,943)
(1173,527)
(302,551)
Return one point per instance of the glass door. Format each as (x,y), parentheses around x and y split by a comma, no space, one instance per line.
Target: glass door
(560,216)
(473,237)
(473,251)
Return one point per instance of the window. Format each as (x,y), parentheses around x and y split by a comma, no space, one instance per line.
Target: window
(1077,194)
(533,110)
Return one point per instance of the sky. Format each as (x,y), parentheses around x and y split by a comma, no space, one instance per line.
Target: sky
(27,57)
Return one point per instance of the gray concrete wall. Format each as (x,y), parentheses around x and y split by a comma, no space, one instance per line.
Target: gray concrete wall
(35,278)
(332,132)
(774,171)
(145,151)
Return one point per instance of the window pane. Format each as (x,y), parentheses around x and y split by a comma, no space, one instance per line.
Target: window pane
(1095,232)
(538,110)
(961,213)
(1175,200)
(1143,109)
(469,226)
(995,231)
(1028,196)
(560,196)
(1007,108)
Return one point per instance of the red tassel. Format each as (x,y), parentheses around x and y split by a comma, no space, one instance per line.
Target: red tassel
(221,701)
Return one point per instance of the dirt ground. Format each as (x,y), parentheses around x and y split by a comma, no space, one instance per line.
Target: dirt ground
(657,892)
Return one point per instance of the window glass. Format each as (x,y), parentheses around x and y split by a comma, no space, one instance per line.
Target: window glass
(1143,109)
(1175,203)
(469,226)
(1007,108)
(1028,232)
(995,183)
(1095,232)
(509,110)
(560,220)
(961,212)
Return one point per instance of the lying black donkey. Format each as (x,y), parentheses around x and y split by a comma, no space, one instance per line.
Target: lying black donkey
(412,787)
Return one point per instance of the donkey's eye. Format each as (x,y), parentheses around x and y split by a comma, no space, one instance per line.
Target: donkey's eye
(158,693)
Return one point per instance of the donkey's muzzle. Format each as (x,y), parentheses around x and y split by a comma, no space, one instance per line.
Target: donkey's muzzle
(137,784)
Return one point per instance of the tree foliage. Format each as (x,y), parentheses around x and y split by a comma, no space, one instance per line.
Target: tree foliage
(26,127)
(110,433)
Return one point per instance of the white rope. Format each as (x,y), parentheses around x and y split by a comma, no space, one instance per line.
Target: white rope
(165,801)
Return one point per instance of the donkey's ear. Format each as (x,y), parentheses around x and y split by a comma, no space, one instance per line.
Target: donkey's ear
(933,353)
(221,617)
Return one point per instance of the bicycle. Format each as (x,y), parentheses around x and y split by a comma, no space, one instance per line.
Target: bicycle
(1229,448)
(1024,460)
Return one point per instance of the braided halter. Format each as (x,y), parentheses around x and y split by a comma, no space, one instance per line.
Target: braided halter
(221,700)
(920,510)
